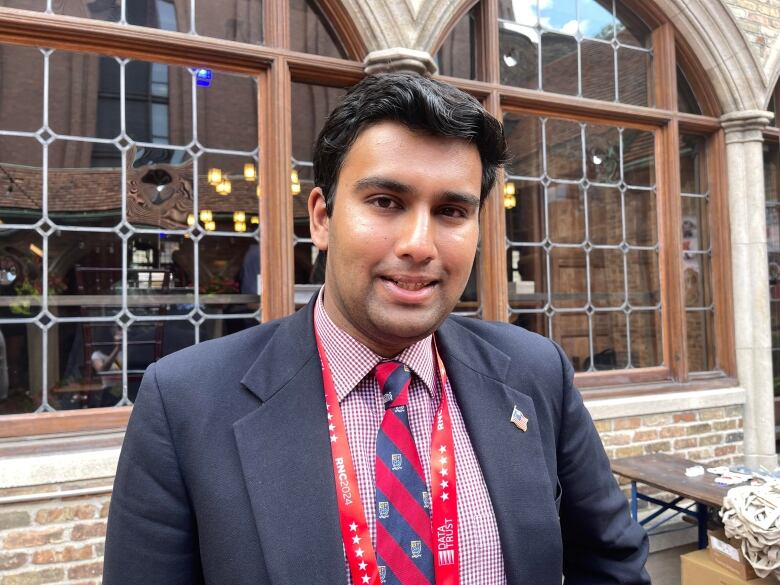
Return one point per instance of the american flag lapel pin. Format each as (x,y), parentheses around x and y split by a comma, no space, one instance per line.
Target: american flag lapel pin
(519,419)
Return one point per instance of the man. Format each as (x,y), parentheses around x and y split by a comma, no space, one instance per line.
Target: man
(372,437)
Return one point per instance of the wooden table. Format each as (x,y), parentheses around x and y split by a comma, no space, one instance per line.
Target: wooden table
(667,473)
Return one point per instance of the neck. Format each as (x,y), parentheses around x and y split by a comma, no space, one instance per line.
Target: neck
(383,349)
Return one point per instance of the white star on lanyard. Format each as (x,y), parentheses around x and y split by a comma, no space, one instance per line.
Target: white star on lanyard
(443,471)
(330,416)
(444,484)
(353,527)
(445,496)
(362,565)
(443,449)
(356,539)
(327,406)
(359,552)
(333,428)
(366,579)
(334,437)
(443,460)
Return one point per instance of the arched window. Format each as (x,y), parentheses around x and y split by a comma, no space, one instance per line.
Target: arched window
(607,222)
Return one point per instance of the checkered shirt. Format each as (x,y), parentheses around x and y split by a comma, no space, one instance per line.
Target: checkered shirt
(362,408)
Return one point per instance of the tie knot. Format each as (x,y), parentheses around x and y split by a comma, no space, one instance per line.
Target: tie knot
(393,378)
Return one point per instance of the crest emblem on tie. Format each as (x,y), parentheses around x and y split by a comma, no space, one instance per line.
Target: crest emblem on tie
(519,419)
(416,549)
(396,461)
(384,509)
(382,573)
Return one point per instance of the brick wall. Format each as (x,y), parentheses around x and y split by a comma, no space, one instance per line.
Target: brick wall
(53,541)
(760,21)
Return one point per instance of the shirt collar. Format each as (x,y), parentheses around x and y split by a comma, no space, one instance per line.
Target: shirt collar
(351,361)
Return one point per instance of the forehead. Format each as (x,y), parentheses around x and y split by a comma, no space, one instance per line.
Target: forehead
(394,148)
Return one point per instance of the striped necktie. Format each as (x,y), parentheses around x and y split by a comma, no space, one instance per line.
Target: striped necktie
(403,505)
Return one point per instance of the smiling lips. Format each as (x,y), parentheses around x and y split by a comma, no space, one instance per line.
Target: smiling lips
(411,284)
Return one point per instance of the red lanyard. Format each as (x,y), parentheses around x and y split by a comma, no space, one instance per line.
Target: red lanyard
(354,528)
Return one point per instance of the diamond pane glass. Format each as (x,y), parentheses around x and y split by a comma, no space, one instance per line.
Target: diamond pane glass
(243,22)
(582,254)
(111,192)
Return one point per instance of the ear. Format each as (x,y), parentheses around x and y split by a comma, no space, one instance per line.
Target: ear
(319,222)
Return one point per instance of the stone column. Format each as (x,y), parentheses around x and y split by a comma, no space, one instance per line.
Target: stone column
(399,59)
(747,212)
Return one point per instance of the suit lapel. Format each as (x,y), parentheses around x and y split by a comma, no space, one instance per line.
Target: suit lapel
(512,461)
(286,460)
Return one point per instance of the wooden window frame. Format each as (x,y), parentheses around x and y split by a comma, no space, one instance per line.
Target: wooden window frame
(276,68)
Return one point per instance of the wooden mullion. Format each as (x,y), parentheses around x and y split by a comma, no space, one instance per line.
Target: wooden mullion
(667,147)
(487,47)
(276,223)
(493,281)
(721,254)
(276,18)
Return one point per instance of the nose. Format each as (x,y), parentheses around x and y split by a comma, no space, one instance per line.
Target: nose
(416,239)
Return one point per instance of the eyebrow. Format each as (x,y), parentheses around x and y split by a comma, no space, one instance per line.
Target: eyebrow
(403,189)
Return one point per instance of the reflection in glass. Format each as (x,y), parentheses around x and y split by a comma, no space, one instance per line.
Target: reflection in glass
(587,49)
(109,10)
(598,70)
(559,63)
(242,23)
(594,265)
(21,179)
(227,112)
(701,340)
(607,272)
(638,158)
(22,107)
(457,54)
(686,99)
(311,32)
(564,149)
(519,55)
(81,192)
(130,207)
(524,138)
(634,71)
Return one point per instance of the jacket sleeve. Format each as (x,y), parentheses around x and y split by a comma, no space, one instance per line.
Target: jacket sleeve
(151,535)
(602,543)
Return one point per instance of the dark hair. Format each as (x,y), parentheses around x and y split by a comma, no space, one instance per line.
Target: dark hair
(420,103)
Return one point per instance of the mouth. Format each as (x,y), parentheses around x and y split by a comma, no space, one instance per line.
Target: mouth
(410,283)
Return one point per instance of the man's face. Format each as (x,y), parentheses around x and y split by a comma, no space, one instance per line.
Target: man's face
(402,236)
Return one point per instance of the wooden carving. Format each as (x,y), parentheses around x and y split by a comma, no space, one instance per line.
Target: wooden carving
(158,193)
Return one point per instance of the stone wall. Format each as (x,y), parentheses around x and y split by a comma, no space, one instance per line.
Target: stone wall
(759,20)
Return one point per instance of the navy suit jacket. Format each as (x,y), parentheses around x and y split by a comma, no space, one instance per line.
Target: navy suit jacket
(225,475)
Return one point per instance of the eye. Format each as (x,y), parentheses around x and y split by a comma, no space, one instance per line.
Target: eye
(384,202)
(452,211)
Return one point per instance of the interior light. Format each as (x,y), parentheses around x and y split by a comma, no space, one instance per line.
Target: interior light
(224,187)
(258,191)
(190,219)
(215,177)
(509,188)
(255,220)
(239,216)
(239,226)
(295,188)
(206,216)
(250,172)
(210,226)
(36,250)
(510,201)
